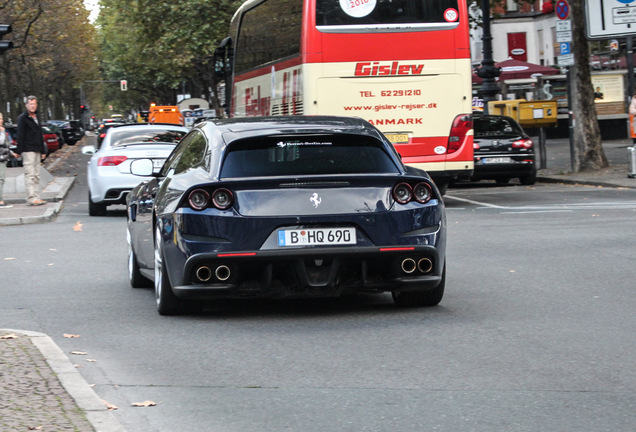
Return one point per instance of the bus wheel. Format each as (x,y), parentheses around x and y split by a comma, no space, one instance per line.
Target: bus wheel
(442,186)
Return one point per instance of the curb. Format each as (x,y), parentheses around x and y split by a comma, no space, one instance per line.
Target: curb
(85,397)
(581,182)
(48,216)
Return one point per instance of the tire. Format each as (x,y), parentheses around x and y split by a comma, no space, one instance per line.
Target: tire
(95,209)
(137,280)
(411,299)
(442,186)
(502,180)
(167,302)
(530,179)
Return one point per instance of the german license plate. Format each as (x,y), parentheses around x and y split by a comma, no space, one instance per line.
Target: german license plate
(317,236)
(398,138)
(497,160)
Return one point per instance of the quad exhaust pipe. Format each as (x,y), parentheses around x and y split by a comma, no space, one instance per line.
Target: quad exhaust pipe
(222,273)
(408,265)
(204,273)
(424,265)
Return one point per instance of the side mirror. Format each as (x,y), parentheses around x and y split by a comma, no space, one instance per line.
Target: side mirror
(89,150)
(219,62)
(142,167)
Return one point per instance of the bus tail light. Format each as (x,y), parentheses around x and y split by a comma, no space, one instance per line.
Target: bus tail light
(522,143)
(110,160)
(462,124)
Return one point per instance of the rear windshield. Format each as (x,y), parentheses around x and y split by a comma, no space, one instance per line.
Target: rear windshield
(125,136)
(492,126)
(379,12)
(306,155)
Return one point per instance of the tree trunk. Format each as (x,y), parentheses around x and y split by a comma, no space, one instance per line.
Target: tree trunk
(589,154)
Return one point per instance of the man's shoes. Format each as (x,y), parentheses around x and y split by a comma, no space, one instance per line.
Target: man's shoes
(37,202)
(3,205)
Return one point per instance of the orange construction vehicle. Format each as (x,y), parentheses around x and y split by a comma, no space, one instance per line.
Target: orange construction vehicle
(165,114)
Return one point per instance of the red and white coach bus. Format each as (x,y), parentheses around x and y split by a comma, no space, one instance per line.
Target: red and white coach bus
(402,65)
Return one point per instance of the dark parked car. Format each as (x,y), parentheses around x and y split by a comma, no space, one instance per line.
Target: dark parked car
(502,150)
(72,130)
(286,207)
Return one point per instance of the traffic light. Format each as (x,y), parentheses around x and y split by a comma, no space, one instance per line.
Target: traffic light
(5,45)
(124,85)
(83,108)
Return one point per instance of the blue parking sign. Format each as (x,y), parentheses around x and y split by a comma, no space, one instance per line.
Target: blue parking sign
(564,47)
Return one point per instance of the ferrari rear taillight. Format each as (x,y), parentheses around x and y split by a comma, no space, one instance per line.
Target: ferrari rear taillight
(462,124)
(404,193)
(221,199)
(199,199)
(522,143)
(110,160)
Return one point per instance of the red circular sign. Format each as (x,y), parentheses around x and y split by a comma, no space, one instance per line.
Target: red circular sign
(562,9)
(451,15)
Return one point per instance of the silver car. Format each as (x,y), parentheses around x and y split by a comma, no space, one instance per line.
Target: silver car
(109,177)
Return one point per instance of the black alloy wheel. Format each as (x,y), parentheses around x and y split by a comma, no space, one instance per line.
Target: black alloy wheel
(137,280)
(95,209)
(411,299)
(167,302)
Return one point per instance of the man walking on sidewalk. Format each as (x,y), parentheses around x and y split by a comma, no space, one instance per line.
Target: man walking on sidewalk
(31,147)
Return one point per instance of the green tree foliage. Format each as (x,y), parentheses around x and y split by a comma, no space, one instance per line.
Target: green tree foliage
(158,45)
(54,46)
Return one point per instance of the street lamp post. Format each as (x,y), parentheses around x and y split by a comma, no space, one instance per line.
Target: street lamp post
(488,72)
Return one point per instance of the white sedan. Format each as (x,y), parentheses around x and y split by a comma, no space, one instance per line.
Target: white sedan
(109,177)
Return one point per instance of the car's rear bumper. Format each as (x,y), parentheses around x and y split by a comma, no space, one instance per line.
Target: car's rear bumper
(310,272)
(521,165)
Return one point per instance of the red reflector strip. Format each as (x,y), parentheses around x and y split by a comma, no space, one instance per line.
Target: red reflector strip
(236,254)
(397,249)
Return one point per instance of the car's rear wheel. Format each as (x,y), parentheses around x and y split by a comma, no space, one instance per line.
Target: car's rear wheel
(530,179)
(502,180)
(137,280)
(442,185)
(432,297)
(95,209)
(167,302)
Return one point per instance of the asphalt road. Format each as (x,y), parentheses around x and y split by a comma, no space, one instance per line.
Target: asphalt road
(535,333)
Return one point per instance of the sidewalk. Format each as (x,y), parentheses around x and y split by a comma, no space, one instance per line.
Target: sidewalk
(41,390)
(54,189)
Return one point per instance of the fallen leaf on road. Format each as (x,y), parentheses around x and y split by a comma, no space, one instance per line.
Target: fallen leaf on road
(77,226)
(9,259)
(594,215)
(67,335)
(512,271)
(50,264)
(144,404)
(91,385)
(35,427)
(78,353)
(110,407)
(91,360)
(77,366)
(53,249)
(9,336)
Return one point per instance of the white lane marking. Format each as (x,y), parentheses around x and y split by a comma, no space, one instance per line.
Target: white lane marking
(537,211)
(475,202)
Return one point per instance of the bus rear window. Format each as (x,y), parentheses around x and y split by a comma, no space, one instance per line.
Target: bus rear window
(383,12)
(306,155)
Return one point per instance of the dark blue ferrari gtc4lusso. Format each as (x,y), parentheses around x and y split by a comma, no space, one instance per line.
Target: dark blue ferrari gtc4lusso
(285,207)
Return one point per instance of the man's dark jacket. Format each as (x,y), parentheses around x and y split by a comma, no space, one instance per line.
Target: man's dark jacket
(30,137)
